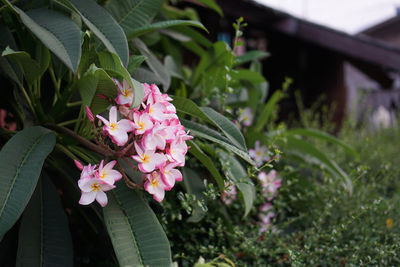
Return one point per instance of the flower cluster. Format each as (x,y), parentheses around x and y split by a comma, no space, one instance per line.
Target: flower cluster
(95,181)
(150,134)
(270,184)
(229,194)
(245,117)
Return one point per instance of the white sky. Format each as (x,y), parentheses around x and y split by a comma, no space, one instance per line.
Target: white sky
(351,16)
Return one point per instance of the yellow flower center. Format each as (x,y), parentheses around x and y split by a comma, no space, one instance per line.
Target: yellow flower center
(141,125)
(245,118)
(103,174)
(95,187)
(151,110)
(113,126)
(145,158)
(154,182)
(125,92)
(258,153)
(389,223)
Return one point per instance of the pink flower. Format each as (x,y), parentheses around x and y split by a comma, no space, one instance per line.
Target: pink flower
(176,152)
(125,94)
(148,159)
(93,189)
(155,186)
(269,183)
(107,174)
(142,122)
(229,194)
(117,130)
(155,111)
(169,175)
(266,215)
(155,139)
(88,171)
(246,117)
(259,153)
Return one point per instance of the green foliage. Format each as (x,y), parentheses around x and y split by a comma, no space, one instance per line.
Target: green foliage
(21,160)
(137,236)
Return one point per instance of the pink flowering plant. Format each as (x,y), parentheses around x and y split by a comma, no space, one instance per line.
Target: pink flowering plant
(151,135)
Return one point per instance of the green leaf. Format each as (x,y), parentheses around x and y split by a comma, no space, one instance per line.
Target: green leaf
(56,31)
(134,63)
(137,236)
(21,160)
(103,25)
(203,131)
(164,24)
(194,186)
(187,106)
(227,127)
(112,63)
(133,14)
(247,75)
(323,136)
(96,82)
(44,237)
(267,110)
(30,67)
(211,4)
(313,155)
(155,65)
(207,163)
(250,56)
(238,174)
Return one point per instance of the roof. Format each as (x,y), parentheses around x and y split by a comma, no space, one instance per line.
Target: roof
(359,47)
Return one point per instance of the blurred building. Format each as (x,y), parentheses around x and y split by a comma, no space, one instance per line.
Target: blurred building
(319,59)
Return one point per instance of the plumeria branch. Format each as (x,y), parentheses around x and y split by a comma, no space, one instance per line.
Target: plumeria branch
(81,140)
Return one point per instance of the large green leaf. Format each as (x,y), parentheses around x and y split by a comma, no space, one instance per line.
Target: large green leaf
(137,236)
(112,63)
(103,26)
(44,237)
(21,161)
(203,131)
(132,14)
(211,4)
(194,186)
(164,24)
(227,127)
(207,163)
(56,31)
(238,174)
(29,67)
(155,65)
(187,106)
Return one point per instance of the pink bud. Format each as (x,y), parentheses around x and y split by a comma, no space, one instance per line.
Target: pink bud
(89,114)
(102,96)
(78,164)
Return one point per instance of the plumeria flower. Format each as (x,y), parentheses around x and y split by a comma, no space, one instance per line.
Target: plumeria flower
(269,183)
(246,117)
(93,189)
(148,159)
(169,175)
(125,94)
(156,138)
(107,174)
(142,122)
(229,194)
(117,130)
(155,186)
(155,111)
(176,152)
(88,171)
(259,153)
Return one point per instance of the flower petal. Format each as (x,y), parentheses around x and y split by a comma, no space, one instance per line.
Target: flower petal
(87,197)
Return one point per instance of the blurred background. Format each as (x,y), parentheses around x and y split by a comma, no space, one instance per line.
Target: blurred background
(343,52)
